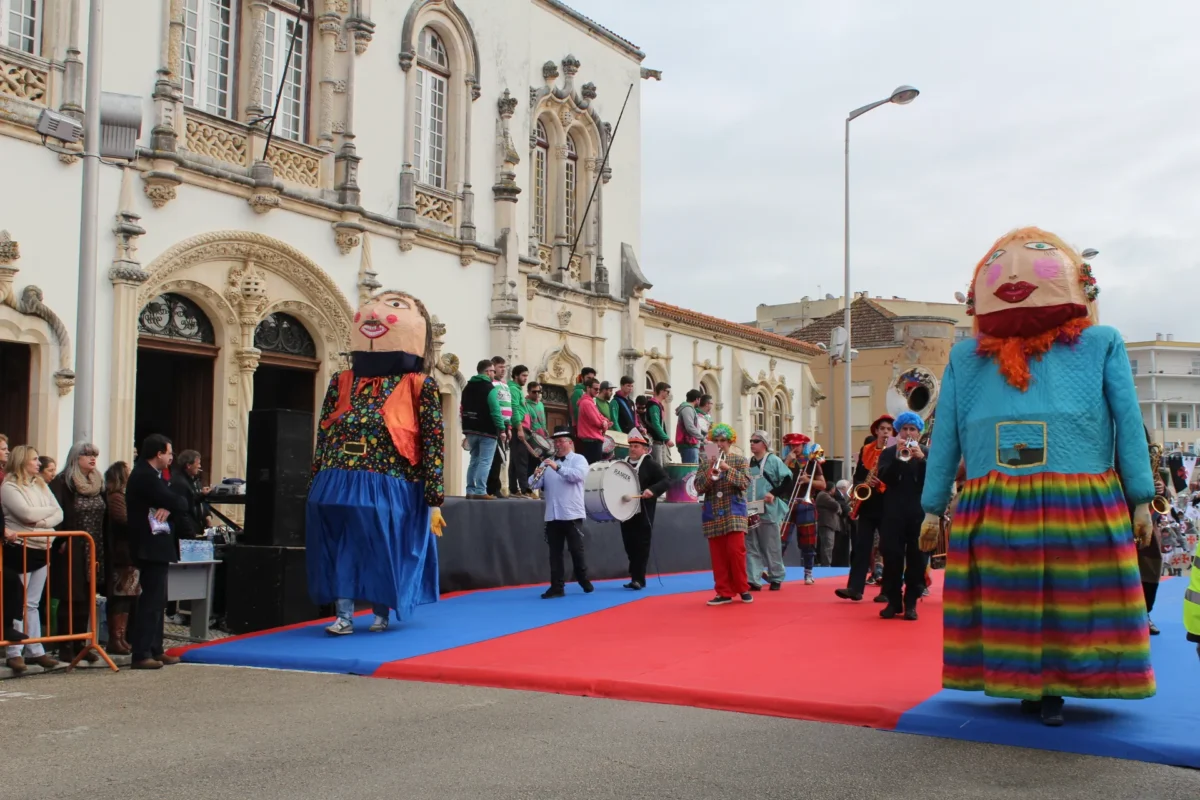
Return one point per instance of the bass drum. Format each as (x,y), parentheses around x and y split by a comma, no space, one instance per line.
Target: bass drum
(612,492)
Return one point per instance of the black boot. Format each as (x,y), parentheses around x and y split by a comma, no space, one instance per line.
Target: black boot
(1052,711)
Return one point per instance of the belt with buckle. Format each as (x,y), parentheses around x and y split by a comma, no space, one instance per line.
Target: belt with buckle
(354,448)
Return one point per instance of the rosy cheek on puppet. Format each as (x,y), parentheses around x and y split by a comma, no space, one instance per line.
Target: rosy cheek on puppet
(391,319)
(1047,267)
(993,273)
(358,316)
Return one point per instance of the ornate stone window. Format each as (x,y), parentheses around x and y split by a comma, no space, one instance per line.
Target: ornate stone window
(648,386)
(172,316)
(758,412)
(541,165)
(208,65)
(429,125)
(777,418)
(21,25)
(281,26)
(286,335)
(571,187)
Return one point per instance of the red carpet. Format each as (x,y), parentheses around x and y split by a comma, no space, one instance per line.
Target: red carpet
(800,653)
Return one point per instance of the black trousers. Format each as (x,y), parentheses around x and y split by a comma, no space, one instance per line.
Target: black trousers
(862,540)
(592,450)
(1150,591)
(146,632)
(635,533)
(570,533)
(518,467)
(495,476)
(903,560)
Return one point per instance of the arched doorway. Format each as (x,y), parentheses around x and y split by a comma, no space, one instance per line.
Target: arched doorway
(555,398)
(176,354)
(15,366)
(287,369)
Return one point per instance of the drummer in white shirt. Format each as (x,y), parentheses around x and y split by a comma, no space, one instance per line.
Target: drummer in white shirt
(561,481)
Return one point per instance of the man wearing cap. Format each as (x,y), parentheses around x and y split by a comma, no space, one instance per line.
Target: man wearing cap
(637,530)
(606,404)
(766,506)
(868,516)
(561,480)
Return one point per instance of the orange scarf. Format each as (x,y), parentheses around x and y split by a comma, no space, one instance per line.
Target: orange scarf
(1012,355)
(870,458)
(399,411)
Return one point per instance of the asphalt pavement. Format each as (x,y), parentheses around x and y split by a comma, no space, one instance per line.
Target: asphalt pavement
(196,733)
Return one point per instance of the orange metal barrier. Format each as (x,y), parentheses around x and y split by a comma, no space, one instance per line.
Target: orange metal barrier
(88,637)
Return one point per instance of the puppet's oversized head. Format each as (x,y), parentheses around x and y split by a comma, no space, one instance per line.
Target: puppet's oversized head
(1028,283)
(392,322)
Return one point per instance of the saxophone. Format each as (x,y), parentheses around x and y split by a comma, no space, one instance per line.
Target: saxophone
(863,491)
(1159,505)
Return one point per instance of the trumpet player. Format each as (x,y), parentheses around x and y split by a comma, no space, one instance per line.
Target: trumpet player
(902,468)
(723,482)
(866,515)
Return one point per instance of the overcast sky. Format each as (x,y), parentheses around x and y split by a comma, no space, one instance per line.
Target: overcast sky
(1081,117)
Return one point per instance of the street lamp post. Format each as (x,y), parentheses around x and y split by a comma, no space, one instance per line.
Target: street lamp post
(902,96)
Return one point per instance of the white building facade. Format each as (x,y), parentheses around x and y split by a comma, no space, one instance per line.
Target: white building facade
(465,151)
(1167,375)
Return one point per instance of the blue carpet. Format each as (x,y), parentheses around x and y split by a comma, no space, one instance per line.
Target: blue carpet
(455,622)
(1163,729)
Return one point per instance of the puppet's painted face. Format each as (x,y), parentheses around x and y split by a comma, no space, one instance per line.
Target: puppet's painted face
(390,322)
(1027,274)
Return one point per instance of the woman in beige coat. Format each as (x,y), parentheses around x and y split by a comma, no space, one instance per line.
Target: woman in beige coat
(29,506)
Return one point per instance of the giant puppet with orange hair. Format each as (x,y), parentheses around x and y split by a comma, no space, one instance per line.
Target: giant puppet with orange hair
(1042,593)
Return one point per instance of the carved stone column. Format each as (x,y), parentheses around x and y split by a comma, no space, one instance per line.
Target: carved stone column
(72,102)
(248,294)
(168,89)
(257,25)
(330,25)
(562,236)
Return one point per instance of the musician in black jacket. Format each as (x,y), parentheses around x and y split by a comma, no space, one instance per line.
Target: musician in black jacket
(637,530)
(150,504)
(900,530)
(864,530)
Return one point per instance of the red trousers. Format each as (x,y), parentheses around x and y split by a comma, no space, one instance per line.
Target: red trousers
(728,554)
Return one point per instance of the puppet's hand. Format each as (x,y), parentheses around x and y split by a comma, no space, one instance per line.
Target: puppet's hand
(930,529)
(437,522)
(1143,526)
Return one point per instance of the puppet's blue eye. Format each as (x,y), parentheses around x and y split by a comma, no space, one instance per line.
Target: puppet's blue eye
(1040,246)
(994,256)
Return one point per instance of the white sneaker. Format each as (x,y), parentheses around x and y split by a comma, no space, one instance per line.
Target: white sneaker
(380,624)
(808,579)
(341,627)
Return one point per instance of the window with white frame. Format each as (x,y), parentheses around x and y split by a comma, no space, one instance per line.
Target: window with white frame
(21,25)
(281,28)
(777,417)
(208,31)
(1133,365)
(541,161)
(860,412)
(1179,419)
(649,385)
(758,412)
(429,129)
(1195,366)
(570,181)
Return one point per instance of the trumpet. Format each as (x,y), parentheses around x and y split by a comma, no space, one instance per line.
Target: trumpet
(905,451)
(716,470)
(1159,504)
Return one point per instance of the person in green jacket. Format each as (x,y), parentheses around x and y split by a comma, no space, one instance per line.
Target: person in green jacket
(655,415)
(1191,605)
(518,462)
(608,406)
(766,505)
(577,392)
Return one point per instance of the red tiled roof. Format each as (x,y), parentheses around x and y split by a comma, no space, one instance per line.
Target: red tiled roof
(718,325)
(870,324)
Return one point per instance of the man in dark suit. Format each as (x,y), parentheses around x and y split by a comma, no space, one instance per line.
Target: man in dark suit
(150,502)
(636,531)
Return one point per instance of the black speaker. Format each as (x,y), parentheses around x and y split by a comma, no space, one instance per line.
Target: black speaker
(278,468)
(832,470)
(266,587)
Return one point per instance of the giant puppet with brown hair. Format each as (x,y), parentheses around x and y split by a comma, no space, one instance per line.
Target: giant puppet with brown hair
(374,506)
(1042,594)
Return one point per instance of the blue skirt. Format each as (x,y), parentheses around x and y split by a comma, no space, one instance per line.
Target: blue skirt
(368,538)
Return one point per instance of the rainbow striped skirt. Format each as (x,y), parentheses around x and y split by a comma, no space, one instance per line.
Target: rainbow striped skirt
(1042,593)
